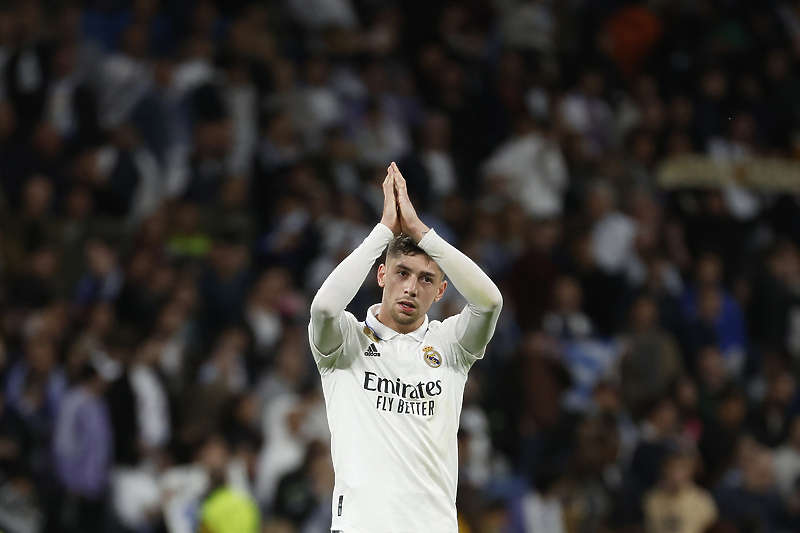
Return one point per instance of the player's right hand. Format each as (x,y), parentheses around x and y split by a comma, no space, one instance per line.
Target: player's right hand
(390,218)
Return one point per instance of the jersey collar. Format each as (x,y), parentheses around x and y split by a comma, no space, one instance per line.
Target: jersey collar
(386,333)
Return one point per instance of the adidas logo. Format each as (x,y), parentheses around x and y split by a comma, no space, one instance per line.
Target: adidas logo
(372,351)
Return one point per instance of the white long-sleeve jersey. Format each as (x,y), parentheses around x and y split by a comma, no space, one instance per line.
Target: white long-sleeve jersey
(394,400)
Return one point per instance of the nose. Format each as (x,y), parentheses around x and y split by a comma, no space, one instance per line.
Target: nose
(411,287)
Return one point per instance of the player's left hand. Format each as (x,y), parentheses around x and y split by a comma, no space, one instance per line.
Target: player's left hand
(410,223)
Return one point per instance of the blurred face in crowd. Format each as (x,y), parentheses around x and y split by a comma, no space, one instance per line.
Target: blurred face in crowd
(714,204)
(709,304)
(686,394)
(681,111)
(228,259)
(597,443)
(678,472)
(778,65)
(711,368)
(643,148)
(290,361)
(44,263)
(758,474)
(436,132)
(214,456)
(644,316)
(782,389)
(37,196)
(679,143)
(40,354)
(743,128)
(714,85)
(171,318)
(411,283)
(134,40)
(784,264)
(281,131)
(101,318)
(608,398)
(664,417)
(732,411)
(567,295)
(78,203)
(592,83)
(29,18)
(271,286)
(101,258)
(600,200)
(545,235)
(149,352)
(708,270)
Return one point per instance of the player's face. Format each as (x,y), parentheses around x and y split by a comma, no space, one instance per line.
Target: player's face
(411,283)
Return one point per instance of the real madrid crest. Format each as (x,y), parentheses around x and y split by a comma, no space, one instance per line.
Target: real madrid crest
(371,334)
(431,356)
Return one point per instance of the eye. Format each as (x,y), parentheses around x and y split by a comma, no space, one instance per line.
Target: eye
(426,279)
(401,273)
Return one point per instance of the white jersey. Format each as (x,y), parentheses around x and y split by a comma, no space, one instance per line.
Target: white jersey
(393,400)
(393,404)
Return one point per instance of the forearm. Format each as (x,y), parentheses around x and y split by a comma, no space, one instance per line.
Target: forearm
(341,286)
(478,321)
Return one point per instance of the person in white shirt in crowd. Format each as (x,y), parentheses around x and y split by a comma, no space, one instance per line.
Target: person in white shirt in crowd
(613,232)
(531,169)
(152,401)
(585,112)
(394,383)
(787,463)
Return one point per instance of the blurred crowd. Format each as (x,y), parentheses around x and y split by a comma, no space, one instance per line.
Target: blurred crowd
(178,177)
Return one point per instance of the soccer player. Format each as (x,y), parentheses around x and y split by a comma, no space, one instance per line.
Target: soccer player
(394,383)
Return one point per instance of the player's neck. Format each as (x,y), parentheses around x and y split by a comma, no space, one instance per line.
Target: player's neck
(386,319)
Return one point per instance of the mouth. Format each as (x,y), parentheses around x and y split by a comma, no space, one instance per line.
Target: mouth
(406,306)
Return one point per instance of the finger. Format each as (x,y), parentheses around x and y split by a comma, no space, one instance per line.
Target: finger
(398,176)
(388,182)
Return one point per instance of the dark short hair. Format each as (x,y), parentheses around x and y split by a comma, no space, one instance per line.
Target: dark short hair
(405,245)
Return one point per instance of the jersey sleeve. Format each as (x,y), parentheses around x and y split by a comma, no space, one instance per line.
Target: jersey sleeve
(462,359)
(342,355)
(327,308)
(475,325)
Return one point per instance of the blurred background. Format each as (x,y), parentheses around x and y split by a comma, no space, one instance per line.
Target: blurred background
(177,178)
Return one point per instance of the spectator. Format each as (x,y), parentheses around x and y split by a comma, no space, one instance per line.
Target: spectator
(152,402)
(225,509)
(300,497)
(586,113)
(530,169)
(83,447)
(677,503)
(613,233)
(721,434)
(756,500)
(36,386)
(104,279)
(533,273)
(652,362)
(787,462)
(715,309)
(566,321)
(770,422)
(660,438)
(15,444)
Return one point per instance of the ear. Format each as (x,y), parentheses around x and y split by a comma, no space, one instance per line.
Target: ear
(440,292)
(382,276)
